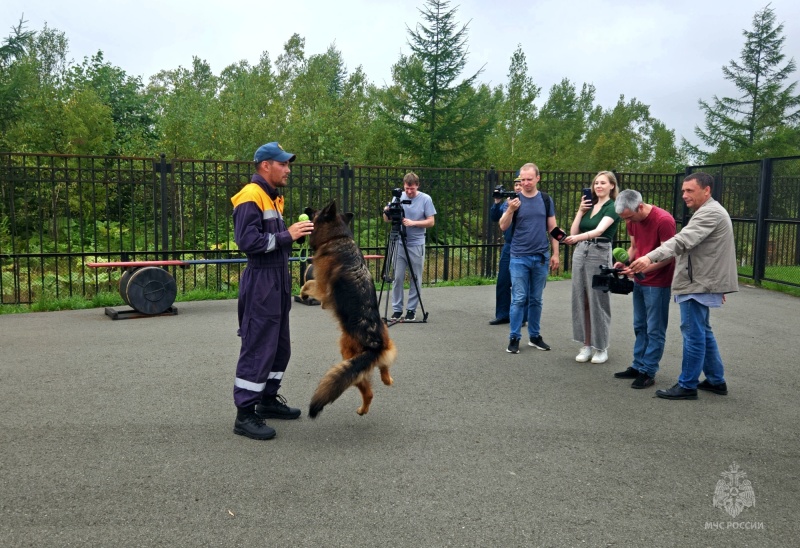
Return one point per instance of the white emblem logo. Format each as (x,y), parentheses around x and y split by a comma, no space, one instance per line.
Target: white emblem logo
(734,493)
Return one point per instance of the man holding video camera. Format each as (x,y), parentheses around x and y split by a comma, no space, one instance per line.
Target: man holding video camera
(502,307)
(648,227)
(704,272)
(530,254)
(417,216)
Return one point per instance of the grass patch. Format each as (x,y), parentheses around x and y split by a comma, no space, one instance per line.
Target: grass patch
(772,286)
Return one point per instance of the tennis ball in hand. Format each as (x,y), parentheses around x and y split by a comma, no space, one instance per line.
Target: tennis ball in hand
(302,217)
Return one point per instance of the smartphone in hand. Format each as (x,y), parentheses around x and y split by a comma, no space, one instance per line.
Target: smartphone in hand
(558,234)
(587,194)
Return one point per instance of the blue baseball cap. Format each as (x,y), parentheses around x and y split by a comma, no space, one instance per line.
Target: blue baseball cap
(273,151)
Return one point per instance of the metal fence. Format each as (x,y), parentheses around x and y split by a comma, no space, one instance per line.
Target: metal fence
(763,200)
(59,212)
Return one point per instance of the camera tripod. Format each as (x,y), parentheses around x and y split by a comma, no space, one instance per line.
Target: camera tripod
(398,234)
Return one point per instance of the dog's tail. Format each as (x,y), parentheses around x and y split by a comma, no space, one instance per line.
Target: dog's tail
(345,374)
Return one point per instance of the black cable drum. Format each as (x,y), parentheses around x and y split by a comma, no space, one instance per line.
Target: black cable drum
(123,284)
(149,290)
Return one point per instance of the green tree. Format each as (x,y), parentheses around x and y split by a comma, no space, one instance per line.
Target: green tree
(516,111)
(627,138)
(132,110)
(38,123)
(763,120)
(436,121)
(252,107)
(562,124)
(189,117)
(12,78)
(317,92)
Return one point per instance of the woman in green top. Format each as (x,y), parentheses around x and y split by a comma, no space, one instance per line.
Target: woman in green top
(593,232)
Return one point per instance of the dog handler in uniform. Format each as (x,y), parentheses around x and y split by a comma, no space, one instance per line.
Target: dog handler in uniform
(264,294)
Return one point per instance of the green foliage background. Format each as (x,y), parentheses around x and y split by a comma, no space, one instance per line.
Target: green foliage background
(430,114)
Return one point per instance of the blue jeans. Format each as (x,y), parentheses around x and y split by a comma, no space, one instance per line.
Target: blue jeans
(700,352)
(650,317)
(528,278)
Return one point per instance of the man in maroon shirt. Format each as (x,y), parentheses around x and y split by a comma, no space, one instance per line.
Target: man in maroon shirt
(648,227)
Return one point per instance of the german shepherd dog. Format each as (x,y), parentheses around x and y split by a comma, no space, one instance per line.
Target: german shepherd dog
(342,282)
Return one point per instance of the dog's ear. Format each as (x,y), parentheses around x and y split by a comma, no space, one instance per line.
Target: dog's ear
(328,212)
(347,217)
(310,212)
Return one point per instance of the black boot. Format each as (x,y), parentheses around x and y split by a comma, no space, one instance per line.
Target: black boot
(274,407)
(251,425)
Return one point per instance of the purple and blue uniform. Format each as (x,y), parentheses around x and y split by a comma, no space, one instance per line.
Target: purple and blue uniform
(264,292)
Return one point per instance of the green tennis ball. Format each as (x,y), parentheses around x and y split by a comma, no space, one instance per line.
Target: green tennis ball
(302,217)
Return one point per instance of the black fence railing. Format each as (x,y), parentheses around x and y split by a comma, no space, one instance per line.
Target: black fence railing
(59,212)
(763,199)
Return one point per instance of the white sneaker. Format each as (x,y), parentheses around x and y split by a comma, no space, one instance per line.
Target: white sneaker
(600,356)
(584,354)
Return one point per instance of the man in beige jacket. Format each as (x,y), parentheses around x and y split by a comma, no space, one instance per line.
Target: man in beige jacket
(705,271)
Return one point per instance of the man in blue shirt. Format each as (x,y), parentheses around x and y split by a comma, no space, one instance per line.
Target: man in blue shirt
(530,255)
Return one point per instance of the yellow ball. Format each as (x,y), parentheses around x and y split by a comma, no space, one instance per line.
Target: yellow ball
(303,217)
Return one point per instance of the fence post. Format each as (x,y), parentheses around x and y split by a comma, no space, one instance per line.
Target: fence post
(346,175)
(490,258)
(163,168)
(679,194)
(762,229)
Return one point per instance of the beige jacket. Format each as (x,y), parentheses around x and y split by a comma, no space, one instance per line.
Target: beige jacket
(705,251)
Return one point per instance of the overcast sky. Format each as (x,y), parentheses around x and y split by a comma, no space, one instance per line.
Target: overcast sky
(665,53)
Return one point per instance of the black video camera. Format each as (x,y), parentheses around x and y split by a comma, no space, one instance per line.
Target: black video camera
(610,279)
(395,211)
(500,193)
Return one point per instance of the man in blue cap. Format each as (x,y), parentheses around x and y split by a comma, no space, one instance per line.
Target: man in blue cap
(264,293)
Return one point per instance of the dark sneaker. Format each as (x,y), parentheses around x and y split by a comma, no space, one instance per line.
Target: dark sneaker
(250,425)
(513,346)
(677,392)
(629,373)
(397,315)
(411,315)
(537,342)
(643,380)
(721,389)
(498,321)
(275,408)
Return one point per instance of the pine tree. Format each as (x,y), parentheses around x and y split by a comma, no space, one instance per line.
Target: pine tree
(436,121)
(756,123)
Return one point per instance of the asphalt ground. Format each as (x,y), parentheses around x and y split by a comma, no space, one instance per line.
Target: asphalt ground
(119,433)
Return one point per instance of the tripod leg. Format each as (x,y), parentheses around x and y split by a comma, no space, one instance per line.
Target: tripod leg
(387,273)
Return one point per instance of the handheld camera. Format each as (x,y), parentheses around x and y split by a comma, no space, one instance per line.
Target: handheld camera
(500,193)
(621,255)
(611,279)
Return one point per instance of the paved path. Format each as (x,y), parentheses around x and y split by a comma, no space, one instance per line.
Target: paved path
(118,433)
